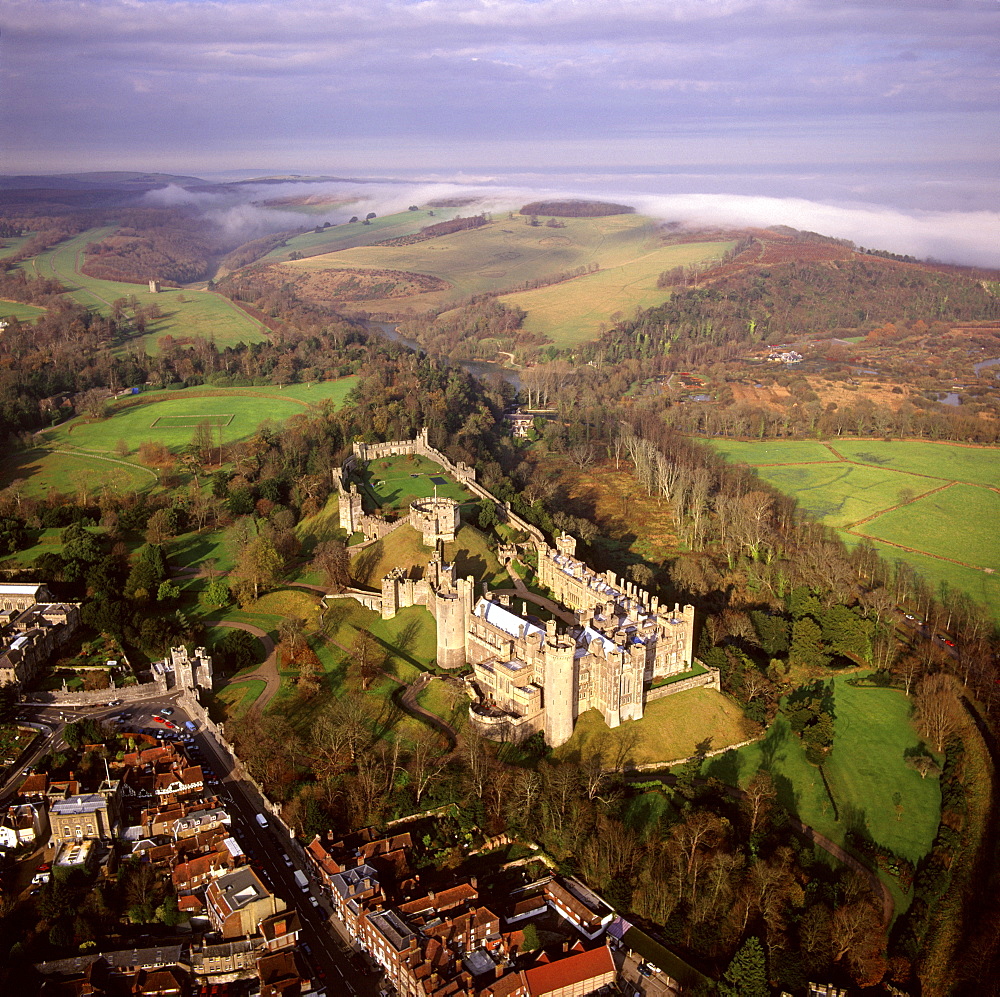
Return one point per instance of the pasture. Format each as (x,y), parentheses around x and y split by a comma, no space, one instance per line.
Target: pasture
(672,728)
(627,249)
(348,236)
(931,505)
(200,313)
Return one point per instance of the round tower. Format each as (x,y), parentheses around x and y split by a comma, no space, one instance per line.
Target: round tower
(559,693)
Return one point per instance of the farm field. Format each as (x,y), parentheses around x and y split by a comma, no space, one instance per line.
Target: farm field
(573,312)
(671,728)
(864,769)
(930,505)
(80,453)
(201,313)
(23,313)
(509,252)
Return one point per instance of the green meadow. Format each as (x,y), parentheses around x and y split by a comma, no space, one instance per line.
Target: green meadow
(936,499)
(866,767)
(392,483)
(186,312)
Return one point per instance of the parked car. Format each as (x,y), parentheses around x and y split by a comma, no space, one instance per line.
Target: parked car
(168,711)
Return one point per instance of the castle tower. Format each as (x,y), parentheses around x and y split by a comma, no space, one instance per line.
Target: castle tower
(566,544)
(560,687)
(452,612)
(349,502)
(437,519)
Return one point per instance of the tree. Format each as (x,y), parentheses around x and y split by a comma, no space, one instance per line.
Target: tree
(759,798)
(258,567)
(747,973)
(937,712)
(368,656)
(332,561)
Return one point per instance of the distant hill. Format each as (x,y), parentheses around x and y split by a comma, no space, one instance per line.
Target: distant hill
(89,181)
(576,209)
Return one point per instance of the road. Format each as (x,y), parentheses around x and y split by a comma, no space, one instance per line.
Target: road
(327,945)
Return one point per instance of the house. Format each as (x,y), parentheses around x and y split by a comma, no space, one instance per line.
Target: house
(24,825)
(87,815)
(237,902)
(580,973)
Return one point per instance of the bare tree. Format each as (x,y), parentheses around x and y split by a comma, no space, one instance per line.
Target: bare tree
(937,710)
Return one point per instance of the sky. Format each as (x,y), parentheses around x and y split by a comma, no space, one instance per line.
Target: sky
(881,101)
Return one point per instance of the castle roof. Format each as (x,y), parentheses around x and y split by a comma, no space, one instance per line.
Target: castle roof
(503,619)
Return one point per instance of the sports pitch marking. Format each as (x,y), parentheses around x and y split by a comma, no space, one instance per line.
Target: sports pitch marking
(217,420)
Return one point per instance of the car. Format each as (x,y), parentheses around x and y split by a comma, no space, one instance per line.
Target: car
(261,820)
(116,702)
(950,643)
(287,860)
(910,616)
(168,711)
(314,901)
(126,716)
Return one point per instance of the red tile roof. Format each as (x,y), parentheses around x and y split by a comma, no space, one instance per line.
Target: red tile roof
(570,971)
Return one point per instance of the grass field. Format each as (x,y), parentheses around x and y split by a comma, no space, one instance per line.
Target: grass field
(23,313)
(573,312)
(864,770)
(508,252)
(201,313)
(240,696)
(88,455)
(671,728)
(937,499)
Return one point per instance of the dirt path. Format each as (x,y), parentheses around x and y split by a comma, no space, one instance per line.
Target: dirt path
(408,701)
(268,670)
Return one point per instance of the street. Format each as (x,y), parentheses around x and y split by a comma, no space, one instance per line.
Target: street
(323,939)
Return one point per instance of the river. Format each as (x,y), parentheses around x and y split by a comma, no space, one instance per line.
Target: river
(484,369)
(977,367)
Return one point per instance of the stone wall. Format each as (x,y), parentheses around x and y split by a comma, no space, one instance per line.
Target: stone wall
(127,693)
(710,680)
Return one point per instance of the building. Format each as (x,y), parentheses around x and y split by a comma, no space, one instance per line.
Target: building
(608,649)
(86,816)
(181,670)
(237,903)
(31,628)
(24,825)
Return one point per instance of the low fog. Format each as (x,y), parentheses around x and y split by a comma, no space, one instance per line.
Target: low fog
(962,237)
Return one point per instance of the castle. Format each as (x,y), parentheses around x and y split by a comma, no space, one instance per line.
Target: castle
(603,651)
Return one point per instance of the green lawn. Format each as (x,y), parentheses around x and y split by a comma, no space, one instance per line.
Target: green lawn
(773,451)
(240,696)
(90,457)
(200,313)
(23,313)
(980,465)
(392,483)
(864,769)
(672,728)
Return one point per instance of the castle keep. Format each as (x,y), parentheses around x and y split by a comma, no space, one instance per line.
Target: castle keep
(606,650)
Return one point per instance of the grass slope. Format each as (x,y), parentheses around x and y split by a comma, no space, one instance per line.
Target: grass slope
(509,252)
(672,728)
(347,236)
(23,313)
(201,313)
(574,311)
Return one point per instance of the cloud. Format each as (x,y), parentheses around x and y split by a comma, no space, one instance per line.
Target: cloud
(964,237)
(207,77)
